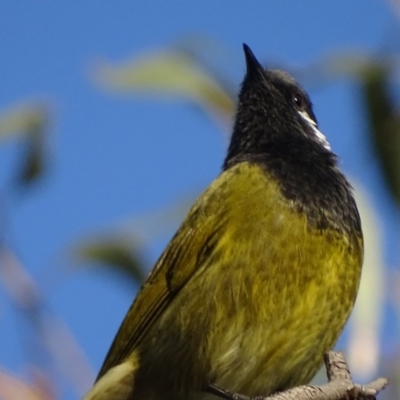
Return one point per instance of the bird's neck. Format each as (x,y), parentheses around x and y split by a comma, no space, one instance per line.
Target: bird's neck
(308,176)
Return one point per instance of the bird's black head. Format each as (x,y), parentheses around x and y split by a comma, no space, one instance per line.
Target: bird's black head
(276,128)
(274,113)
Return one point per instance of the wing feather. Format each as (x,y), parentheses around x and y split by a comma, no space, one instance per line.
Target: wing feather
(175,267)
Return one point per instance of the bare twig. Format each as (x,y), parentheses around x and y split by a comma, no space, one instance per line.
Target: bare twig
(339,387)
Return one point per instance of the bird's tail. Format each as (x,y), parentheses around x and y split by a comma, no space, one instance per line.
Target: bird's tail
(115,384)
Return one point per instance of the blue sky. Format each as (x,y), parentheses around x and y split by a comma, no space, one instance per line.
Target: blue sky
(115,157)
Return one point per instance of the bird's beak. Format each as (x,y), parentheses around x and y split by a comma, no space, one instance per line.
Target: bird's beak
(254,68)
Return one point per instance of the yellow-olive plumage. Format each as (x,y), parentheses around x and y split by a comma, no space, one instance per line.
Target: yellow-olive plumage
(249,294)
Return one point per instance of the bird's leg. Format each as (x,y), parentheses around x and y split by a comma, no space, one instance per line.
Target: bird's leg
(227,395)
(224,394)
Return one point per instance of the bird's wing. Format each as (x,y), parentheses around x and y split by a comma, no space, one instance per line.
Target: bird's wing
(181,259)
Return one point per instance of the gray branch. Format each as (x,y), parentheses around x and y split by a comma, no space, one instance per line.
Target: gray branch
(340,386)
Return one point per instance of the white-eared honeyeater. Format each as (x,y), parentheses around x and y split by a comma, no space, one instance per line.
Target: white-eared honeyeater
(259,280)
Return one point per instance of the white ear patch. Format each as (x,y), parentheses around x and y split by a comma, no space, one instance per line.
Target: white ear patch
(318,134)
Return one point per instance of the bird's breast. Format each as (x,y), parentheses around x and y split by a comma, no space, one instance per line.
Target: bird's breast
(279,296)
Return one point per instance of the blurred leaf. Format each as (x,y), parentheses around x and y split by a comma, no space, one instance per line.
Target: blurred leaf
(376,77)
(121,249)
(23,120)
(158,223)
(173,72)
(118,254)
(27,123)
(384,122)
(33,163)
(353,64)
(211,56)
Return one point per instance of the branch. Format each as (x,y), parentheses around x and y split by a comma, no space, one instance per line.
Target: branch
(339,387)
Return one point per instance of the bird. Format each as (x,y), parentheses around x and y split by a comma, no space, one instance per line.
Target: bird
(259,280)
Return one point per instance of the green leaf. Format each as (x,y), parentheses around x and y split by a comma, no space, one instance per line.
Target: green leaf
(23,121)
(384,123)
(34,160)
(114,253)
(27,123)
(381,112)
(169,72)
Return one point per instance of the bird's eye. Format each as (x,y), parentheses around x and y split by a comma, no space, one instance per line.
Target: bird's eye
(299,101)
